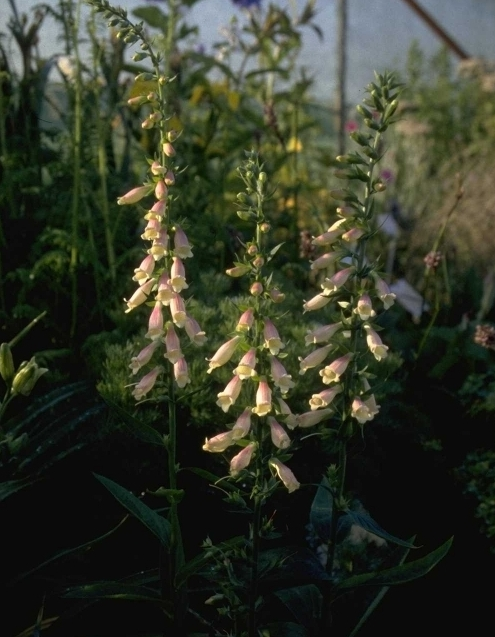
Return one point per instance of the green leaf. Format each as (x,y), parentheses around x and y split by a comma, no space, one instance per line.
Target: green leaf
(10,487)
(303,602)
(153,16)
(134,425)
(286,629)
(114,590)
(154,522)
(321,511)
(397,574)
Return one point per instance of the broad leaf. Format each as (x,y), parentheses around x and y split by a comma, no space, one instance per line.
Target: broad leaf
(154,522)
(135,426)
(303,602)
(397,574)
(321,511)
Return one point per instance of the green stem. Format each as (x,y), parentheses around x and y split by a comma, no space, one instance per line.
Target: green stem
(76,183)
(26,329)
(256,528)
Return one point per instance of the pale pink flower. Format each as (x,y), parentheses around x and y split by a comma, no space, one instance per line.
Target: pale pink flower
(377,348)
(157,169)
(230,394)
(285,410)
(134,195)
(147,382)
(285,474)
(194,331)
(143,357)
(168,149)
(384,292)
(169,178)
(316,303)
(172,345)
(242,424)
(322,334)
(272,338)
(140,295)
(157,210)
(178,275)
(245,321)
(360,411)
(364,308)
(219,443)
(340,278)
(155,323)
(314,359)
(165,293)
(325,260)
(182,247)
(332,373)
(276,295)
(238,270)
(223,354)
(178,310)
(312,418)
(161,190)
(331,235)
(263,399)
(242,459)
(278,434)
(324,398)
(152,230)
(145,270)
(159,247)
(281,378)
(256,289)
(246,367)
(353,234)
(181,373)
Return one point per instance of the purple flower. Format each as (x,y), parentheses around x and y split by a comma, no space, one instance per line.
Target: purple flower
(247,4)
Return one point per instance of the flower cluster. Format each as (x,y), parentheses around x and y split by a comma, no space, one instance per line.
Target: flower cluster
(352,288)
(258,373)
(161,276)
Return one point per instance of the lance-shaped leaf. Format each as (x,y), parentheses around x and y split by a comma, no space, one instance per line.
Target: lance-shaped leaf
(320,515)
(397,574)
(152,520)
(367,523)
(114,590)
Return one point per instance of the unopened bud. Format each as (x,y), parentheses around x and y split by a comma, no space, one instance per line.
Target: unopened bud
(256,289)
(168,149)
(7,369)
(380,186)
(172,135)
(265,227)
(26,377)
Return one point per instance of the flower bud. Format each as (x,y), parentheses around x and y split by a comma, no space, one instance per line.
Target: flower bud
(7,370)
(26,377)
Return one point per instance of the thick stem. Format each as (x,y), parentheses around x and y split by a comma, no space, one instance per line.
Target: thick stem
(256,528)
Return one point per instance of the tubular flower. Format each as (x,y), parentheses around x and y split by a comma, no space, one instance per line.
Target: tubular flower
(145,270)
(278,434)
(332,373)
(245,322)
(181,373)
(178,275)
(312,418)
(285,474)
(272,338)
(172,344)
(281,378)
(335,282)
(314,359)
(178,310)
(165,293)
(263,399)
(182,248)
(316,303)
(242,459)
(384,292)
(364,308)
(134,195)
(193,330)
(322,334)
(219,443)
(230,394)
(140,295)
(143,357)
(155,324)
(325,397)
(223,354)
(247,364)
(360,411)
(147,383)
(331,235)
(242,424)
(377,348)
(325,260)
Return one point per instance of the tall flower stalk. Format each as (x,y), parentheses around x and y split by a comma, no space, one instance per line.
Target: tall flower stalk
(353,295)
(161,275)
(259,381)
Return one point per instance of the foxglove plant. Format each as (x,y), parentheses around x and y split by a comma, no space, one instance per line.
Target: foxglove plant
(161,276)
(353,296)
(259,382)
